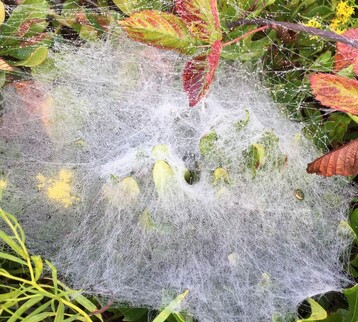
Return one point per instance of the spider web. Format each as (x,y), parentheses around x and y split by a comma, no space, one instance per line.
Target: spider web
(136,196)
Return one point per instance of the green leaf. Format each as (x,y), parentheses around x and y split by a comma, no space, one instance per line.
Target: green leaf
(318,313)
(207,143)
(54,276)
(24,307)
(353,221)
(87,304)
(36,58)
(352,297)
(172,307)
(38,311)
(256,156)
(13,245)
(133,314)
(38,266)
(160,29)
(336,127)
(60,313)
(127,6)
(130,6)
(12,258)
(25,21)
(353,117)
(76,317)
(163,176)
(10,295)
(88,33)
(40,317)
(243,123)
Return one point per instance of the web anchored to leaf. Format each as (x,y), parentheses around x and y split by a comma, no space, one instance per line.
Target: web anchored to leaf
(134,195)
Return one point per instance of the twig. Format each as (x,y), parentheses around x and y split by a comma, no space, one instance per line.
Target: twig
(296,27)
(244,35)
(102,309)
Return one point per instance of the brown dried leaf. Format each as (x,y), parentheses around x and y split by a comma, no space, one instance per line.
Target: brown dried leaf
(342,161)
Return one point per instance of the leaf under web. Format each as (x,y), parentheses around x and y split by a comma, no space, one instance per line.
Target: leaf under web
(199,73)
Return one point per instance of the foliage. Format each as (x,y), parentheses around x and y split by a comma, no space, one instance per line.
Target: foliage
(339,93)
(200,29)
(26,294)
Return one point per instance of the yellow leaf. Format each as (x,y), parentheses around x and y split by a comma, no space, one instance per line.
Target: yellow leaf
(318,312)
(2,12)
(163,176)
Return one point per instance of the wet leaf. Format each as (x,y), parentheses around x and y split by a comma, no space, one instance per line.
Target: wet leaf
(130,6)
(27,19)
(345,54)
(220,176)
(35,59)
(199,73)
(160,29)
(342,161)
(207,143)
(127,6)
(201,17)
(339,93)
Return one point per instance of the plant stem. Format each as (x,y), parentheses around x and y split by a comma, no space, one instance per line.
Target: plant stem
(296,27)
(234,41)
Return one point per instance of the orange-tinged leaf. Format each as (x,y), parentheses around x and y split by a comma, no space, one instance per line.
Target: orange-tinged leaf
(345,54)
(35,100)
(5,66)
(199,72)
(342,161)
(160,29)
(202,18)
(337,92)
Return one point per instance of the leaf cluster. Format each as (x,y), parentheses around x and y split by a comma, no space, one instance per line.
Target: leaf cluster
(26,293)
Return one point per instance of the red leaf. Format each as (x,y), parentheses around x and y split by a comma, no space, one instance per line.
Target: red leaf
(201,17)
(346,54)
(160,29)
(343,161)
(199,72)
(337,92)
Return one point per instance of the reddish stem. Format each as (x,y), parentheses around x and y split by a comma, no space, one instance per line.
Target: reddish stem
(234,41)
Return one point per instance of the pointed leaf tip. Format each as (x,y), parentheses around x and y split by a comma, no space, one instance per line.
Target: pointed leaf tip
(342,161)
(337,92)
(199,73)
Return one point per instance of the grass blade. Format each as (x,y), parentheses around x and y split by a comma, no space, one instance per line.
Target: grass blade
(171,307)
